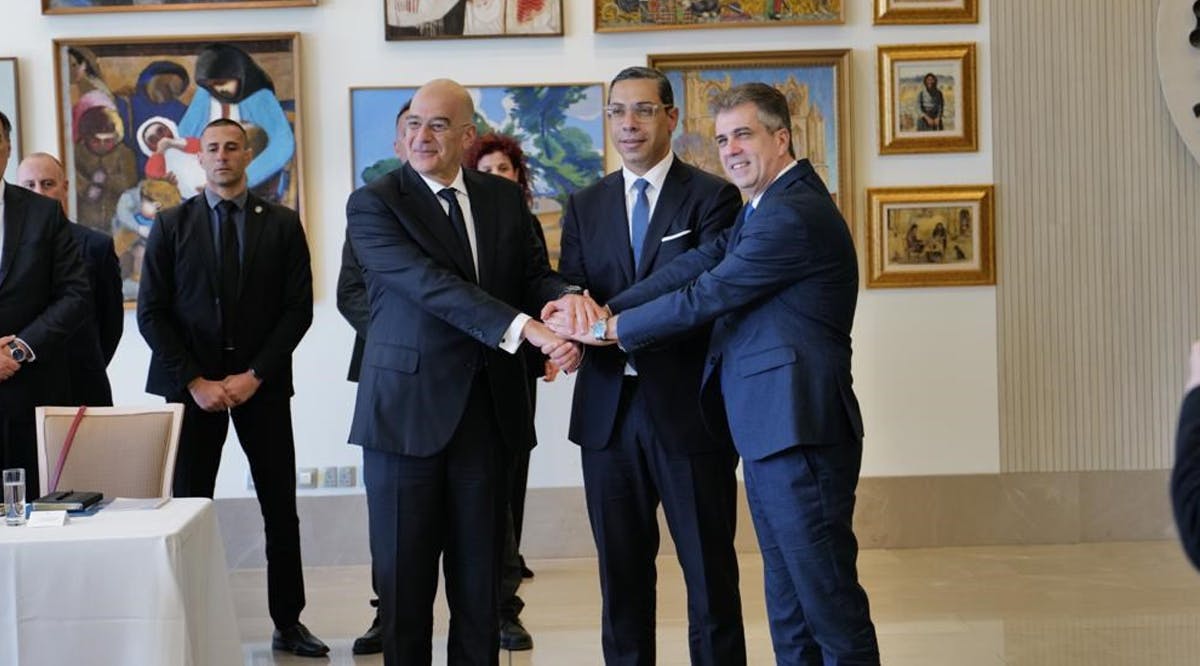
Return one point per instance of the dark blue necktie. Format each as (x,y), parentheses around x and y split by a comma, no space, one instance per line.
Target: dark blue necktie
(640,220)
(459,222)
(747,211)
(230,271)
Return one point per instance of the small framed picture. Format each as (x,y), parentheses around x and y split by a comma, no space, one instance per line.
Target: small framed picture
(890,12)
(457,19)
(927,100)
(930,236)
(11,106)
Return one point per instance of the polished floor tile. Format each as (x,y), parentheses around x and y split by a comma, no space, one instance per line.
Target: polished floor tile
(1111,604)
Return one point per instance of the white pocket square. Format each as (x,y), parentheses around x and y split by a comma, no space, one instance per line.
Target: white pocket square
(678,235)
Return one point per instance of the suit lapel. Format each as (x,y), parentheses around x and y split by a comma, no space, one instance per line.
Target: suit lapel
(201,224)
(256,219)
(482,198)
(617,216)
(421,206)
(669,203)
(14,214)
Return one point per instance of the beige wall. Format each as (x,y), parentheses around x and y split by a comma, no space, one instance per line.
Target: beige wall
(1099,238)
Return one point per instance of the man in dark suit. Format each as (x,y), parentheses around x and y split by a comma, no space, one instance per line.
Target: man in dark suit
(780,288)
(352,303)
(450,261)
(225,296)
(636,416)
(1185,478)
(44,298)
(91,347)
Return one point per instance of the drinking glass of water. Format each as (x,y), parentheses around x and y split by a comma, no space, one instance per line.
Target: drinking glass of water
(14,496)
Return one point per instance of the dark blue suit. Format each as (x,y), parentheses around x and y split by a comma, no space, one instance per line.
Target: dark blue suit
(1185,478)
(781,287)
(92,346)
(440,407)
(644,439)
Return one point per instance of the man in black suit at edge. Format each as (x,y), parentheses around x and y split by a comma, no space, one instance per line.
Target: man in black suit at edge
(225,296)
(1185,478)
(91,348)
(44,298)
(450,261)
(636,416)
(352,303)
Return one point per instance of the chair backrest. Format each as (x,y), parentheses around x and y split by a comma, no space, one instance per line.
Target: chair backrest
(118,451)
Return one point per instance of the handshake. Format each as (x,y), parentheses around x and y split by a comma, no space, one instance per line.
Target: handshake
(566,323)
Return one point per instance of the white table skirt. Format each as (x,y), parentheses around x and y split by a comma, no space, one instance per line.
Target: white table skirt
(125,588)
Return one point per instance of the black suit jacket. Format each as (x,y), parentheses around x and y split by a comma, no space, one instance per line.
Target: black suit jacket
(44,296)
(693,207)
(92,346)
(1185,478)
(431,329)
(178,312)
(352,303)
(781,287)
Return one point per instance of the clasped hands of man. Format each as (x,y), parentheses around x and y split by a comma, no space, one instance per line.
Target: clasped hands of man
(571,317)
(214,395)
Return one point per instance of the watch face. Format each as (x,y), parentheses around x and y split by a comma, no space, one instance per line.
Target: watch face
(17,353)
(599,329)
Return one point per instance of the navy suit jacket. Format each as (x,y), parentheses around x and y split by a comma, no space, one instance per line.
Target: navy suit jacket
(1185,478)
(431,328)
(92,346)
(694,207)
(178,309)
(44,296)
(781,287)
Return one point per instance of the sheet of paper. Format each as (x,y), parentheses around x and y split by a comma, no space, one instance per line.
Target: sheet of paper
(47,519)
(136,504)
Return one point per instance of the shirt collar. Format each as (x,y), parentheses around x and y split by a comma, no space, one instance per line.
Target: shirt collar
(758,197)
(655,175)
(213,199)
(458,183)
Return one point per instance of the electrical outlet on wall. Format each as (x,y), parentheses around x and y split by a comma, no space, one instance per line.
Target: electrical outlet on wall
(306,477)
(348,476)
(329,477)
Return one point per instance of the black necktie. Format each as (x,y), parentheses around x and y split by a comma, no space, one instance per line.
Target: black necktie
(230,270)
(460,225)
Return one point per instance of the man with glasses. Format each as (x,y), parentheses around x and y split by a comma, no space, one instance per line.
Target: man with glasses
(635,416)
(450,262)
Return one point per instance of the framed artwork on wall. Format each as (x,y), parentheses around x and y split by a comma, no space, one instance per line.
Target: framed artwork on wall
(10,104)
(96,6)
(458,19)
(816,84)
(927,99)
(630,15)
(930,236)
(890,12)
(560,128)
(130,114)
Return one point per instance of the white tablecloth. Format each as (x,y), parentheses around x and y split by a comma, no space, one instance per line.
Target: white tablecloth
(129,588)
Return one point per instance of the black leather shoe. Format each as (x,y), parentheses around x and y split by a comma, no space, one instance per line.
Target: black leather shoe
(298,640)
(514,637)
(526,572)
(370,642)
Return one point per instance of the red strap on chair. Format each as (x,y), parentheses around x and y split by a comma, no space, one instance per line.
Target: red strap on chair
(62,455)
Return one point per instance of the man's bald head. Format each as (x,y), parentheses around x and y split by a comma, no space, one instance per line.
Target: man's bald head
(44,174)
(439,129)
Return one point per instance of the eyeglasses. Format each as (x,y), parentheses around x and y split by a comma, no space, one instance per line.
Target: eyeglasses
(435,125)
(641,110)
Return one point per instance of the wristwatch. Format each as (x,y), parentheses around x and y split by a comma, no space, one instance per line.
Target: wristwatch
(600,330)
(17,352)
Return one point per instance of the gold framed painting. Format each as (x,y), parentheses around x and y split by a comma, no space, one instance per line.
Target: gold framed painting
(892,12)
(634,15)
(131,111)
(816,84)
(406,20)
(927,99)
(107,6)
(930,236)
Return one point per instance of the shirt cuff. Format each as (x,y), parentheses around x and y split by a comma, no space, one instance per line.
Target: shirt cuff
(514,336)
